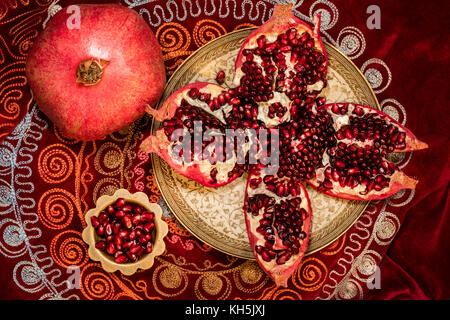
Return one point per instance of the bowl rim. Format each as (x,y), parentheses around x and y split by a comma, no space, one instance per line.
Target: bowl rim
(144,262)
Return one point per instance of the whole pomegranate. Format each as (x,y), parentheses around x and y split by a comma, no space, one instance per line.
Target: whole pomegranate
(94,68)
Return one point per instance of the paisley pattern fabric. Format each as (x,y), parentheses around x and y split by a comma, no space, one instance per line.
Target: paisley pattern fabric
(48,182)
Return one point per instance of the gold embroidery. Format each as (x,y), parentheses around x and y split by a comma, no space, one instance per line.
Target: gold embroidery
(310,274)
(56,163)
(56,208)
(68,249)
(206,30)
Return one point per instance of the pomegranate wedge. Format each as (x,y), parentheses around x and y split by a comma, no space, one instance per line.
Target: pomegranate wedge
(356,167)
(281,63)
(192,140)
(278,219)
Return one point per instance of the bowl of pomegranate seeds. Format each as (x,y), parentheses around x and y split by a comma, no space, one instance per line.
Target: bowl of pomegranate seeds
(125,232)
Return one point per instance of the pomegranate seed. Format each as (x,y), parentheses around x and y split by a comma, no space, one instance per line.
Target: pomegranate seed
(261,41)
(327,184)
(108,230)
(102,217)
(116,228)
(131,256)
(340,164)
(401,146)
(149,227)
(94,221)
(353,171)
(328,172)
(110,209)
(142,239)
(101,245)
(358,111)
(265,256)
(120,202)
(121,259)
(285,48)
(126,222)
(123,233)
(222,99)
(235,101)
(194,93)
(321,101)
(127,245)
(254,183)
(283,258)
(271,253)
(119,214)
(220,77)
(127,208)
(259,249)
(117,253)
(118,243)
(293,191)
(148,216)
(335,175)
(342,181)
(148,247)
(335,108)
(354,183)
(134,249)
(136,219)
(100,230)
(110,248)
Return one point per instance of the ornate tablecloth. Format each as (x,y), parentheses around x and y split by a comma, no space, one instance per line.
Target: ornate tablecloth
(47,182)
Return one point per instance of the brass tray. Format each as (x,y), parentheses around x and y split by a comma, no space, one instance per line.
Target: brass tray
(215,216)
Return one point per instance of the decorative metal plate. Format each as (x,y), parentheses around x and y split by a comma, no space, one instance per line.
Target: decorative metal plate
(215,216)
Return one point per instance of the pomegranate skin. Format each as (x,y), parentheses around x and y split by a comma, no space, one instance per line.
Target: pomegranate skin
(133,77)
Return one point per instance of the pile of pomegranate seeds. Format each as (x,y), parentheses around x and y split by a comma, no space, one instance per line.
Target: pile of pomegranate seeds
(125,230)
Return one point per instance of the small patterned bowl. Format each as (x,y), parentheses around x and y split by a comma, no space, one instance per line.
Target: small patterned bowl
(144,262)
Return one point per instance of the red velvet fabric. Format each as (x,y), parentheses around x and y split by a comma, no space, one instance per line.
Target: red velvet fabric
(68,176)
(417,263)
